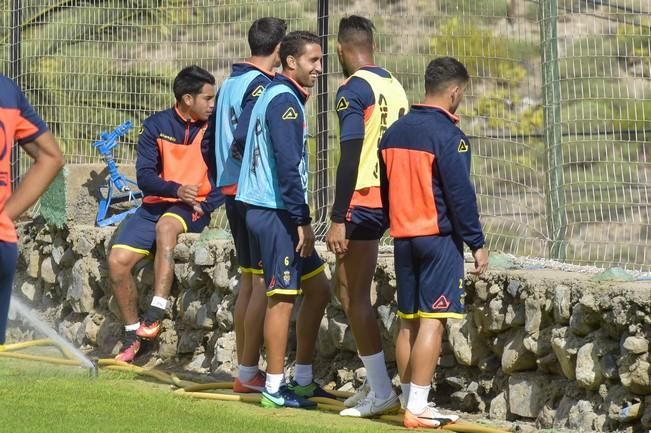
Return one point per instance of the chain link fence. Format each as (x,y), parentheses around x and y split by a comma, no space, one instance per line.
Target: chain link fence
(558,110)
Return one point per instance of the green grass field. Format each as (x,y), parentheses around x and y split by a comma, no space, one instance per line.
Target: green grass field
(37,397)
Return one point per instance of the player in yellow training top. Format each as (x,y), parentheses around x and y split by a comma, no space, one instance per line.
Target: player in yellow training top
(367,103)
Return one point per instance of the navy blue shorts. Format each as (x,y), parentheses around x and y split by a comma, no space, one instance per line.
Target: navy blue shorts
(365,223)
(236,214)
(429,276)
(8,261)
(274,235)
(137,233)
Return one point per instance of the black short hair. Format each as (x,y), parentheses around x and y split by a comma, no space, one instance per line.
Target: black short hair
(356,30)
(190,81)
(293,44)
(442,71)
(265,34)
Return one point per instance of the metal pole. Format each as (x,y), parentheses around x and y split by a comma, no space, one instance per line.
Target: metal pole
(556,220)
(322,124)
(14,71)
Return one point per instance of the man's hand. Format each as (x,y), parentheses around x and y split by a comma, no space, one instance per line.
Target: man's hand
(305,240)
(198,209)
(481,261)
(188,194)
(336,239)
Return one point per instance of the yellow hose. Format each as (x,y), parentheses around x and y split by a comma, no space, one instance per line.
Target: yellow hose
(47,359)
(207,386)
(25,344)
(328,402)
(220,396)
(341,394)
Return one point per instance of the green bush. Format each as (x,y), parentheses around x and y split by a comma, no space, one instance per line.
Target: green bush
(484,55)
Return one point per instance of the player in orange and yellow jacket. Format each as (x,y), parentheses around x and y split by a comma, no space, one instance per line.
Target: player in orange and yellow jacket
(175,171)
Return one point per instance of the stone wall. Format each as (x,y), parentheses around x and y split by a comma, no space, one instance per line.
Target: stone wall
(542,345)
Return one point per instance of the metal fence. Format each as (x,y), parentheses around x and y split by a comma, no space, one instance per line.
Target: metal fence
(558,111)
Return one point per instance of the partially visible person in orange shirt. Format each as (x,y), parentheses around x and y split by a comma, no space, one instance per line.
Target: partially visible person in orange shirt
(20,123)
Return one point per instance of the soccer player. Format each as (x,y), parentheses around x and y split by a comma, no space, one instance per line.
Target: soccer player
(273,184)
(174,170)
(367,103)
(432,209)
(235,100)
(19,122)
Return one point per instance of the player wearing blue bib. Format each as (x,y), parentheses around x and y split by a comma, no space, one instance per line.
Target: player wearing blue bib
(273,183)
(367,103)
(235,101)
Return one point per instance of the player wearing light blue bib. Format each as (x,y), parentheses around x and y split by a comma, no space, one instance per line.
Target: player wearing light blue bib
(273,184)
(235,101)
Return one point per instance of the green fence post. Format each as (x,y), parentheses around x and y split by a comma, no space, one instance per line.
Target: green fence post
(555,200)
(321,187)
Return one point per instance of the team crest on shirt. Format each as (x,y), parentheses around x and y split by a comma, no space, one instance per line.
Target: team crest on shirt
(258,91)
(441,303)
(463,147)
(290,114)
(342,104)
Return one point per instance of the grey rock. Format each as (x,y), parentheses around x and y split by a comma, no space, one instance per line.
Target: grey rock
(325,342)
(80,294)
(202,255)
(515,315)
(545,418)
(533,316)
(467,401)
(455,382)
(498,408)
(468,347)
(33,263)
(581,418)
(540,343)
(345,376)
(82,246)
(225,348)
(514,288)
(108,336)
(221,278)
(181,253)
(495,315)
(565,347)
(589,374)
(90,327)
(526,395)
(31,290)
(68,258)
(57,253)
(635,374)
(609,366)
(636,345)
(645,420)
(204,318)
(224,317)
(49,270)
(199,364)
(583,320)
(481,290)
(516,357)
(562,304)
(189,340)
(167,341)
(494,289)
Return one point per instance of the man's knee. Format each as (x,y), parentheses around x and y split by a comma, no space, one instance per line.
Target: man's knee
(167,231)
(120,262)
